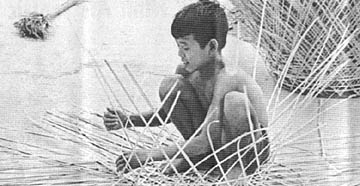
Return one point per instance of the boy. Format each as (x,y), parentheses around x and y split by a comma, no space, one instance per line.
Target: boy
(210,97)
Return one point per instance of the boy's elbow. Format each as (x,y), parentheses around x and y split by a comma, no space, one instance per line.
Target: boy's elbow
(264,121)
(256,97)
(262,115)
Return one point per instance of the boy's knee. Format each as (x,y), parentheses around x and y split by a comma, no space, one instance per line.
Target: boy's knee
(237,108)
(236,102)
(167,83)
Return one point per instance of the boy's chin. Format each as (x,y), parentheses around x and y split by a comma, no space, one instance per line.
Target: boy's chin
(182,70)
(185,69)
(189,69)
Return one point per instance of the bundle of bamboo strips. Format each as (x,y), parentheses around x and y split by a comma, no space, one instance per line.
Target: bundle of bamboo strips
(299,38)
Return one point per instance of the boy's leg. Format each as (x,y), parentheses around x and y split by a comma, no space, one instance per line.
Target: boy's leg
(236,122)
(188,113)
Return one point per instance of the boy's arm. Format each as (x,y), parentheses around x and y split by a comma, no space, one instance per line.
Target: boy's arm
(200,145)
(137,120)
(111,119)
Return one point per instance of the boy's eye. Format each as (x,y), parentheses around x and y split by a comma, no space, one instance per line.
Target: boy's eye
(186,49)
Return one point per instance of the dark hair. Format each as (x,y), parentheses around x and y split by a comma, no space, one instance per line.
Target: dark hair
(206,20)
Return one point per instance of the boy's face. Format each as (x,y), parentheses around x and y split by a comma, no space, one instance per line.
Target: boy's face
(193,57)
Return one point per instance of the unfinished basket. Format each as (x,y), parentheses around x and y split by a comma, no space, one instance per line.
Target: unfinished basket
(28,163)
(307,43)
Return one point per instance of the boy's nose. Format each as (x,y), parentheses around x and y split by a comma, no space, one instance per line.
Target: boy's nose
(180,53)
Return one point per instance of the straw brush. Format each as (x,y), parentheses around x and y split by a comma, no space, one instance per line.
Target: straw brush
(36,25)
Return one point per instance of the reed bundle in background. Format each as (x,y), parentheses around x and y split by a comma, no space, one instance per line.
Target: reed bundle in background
(36,25)
(301,38)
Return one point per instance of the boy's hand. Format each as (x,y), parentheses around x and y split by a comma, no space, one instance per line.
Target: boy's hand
(179,164)
(111,119)
(131,160)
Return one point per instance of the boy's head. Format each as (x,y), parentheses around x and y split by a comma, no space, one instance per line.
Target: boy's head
(205,20)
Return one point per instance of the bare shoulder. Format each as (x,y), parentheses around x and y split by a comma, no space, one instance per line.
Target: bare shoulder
(240,81)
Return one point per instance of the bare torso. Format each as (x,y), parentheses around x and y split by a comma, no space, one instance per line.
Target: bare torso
(203,87)
(212,91)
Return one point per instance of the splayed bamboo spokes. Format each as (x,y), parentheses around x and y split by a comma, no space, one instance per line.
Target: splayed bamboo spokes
(301,172)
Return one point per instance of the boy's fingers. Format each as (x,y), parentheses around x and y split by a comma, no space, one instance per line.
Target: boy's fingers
(110,120)
(122,167)
(120,160)
(120,164)
(116,113)
(119,167)
(109,115)
(110,110)
(169,170)
(112,126)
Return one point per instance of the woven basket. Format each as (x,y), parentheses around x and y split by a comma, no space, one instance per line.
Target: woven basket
(311,45)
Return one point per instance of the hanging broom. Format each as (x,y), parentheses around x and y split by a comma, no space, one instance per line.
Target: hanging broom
(36,25)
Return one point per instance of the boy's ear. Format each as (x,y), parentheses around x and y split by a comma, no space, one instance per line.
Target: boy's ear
(213,45)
